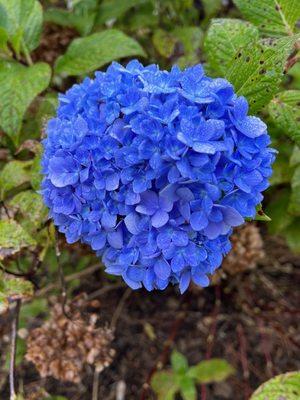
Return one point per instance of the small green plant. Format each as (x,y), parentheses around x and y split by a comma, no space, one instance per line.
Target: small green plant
(282,387)
(181,378)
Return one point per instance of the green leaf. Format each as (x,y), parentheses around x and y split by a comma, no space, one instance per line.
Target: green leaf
(31,206)
(190,37)
(179,362)
(273,17)
(35,173)
(294,205)
(12,289)
(282,171)
(31,310)
(81,16)
(3,40)
(223,40)
(105,47)
(282,387)
(285,112)
(23,22)
(164,385)
(19,85)
(211,8)
(257,70)
(277,209)
(292,235)
(13,238)
(261,215)
(214,370)
(14,174)
(187,388)
(295,157)
(164,42)
(113,9)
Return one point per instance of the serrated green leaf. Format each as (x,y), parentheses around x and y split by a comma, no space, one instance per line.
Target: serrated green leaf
(14,174)
(164,42)
(284,109)
(13,238)
(277,209)
(294,205)
(23,22)
(257,71)
(164,385)
(273,17)
(213,370)
(223,40)
(292,235)
(113,9)
(31,206)
(105,47)
(19,85)
(187,388)
(282,387)
(179,362)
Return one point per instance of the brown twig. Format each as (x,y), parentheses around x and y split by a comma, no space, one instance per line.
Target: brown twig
(63,283)
(69,278)
(265,348)
(244,360)
(12,363)
(212,333)
(119,308)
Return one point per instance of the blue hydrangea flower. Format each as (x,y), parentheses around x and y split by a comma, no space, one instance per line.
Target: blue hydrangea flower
(153,169)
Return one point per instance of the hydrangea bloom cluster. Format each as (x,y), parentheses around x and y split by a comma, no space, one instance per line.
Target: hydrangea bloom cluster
(152,169)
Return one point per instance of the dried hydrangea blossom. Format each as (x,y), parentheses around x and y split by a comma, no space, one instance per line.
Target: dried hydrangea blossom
(62,346)
(153,169)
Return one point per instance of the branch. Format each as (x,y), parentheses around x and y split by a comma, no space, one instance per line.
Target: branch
(14,329)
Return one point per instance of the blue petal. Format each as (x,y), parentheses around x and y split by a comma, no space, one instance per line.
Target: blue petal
(162,269)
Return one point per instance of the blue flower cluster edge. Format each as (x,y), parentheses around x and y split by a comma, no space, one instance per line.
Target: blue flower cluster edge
(153,169)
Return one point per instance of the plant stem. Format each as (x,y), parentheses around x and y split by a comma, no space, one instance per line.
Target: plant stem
(26,54)
(14,329)
(119,308)
(96,384)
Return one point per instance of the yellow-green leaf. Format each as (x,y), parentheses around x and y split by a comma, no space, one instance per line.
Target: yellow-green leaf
(282,387)
(13,238)
(213,370)
(14,174)
(164,385)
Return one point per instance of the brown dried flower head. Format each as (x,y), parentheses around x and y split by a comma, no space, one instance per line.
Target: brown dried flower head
(64,344)
(247,251)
